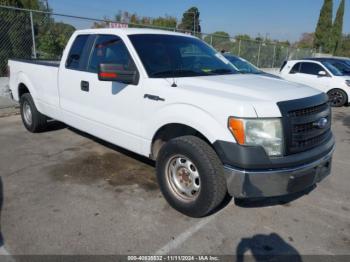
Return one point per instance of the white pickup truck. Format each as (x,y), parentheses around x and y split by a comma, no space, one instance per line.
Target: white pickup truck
(174,99)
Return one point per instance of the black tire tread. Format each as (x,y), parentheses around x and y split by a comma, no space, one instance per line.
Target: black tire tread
(346,100)
(39,123)
(207,154)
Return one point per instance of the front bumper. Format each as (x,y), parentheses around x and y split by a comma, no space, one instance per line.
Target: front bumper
(277,182)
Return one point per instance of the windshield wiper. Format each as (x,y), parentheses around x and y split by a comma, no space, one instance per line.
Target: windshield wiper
(222,71)
(175,73)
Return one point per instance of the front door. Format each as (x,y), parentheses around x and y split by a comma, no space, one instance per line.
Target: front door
(109,110)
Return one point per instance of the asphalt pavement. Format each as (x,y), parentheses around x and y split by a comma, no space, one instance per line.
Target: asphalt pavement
(64,192)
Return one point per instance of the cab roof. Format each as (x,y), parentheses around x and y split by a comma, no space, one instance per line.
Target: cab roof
(130,31)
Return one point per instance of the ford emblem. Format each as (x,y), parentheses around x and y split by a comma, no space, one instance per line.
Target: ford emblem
(322,123)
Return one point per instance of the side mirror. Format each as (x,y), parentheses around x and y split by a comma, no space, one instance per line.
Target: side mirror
(115,72)
(322,74)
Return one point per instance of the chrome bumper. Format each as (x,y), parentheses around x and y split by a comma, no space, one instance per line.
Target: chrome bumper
(277,182)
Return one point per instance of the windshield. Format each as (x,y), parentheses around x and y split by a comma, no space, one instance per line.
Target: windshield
(243,65)
(333,69)
(178,56)
(341,66)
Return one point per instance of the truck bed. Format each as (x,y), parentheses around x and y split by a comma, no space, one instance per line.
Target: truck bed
(40,78)
(54,63)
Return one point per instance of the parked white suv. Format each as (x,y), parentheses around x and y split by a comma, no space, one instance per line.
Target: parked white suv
(174,99)
(320,75)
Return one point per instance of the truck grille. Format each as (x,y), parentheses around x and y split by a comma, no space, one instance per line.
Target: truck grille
(301,123)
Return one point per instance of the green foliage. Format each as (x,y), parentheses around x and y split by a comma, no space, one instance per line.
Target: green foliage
(306,41)
(337,30)
(243,37)
(323,34)
(190,20)
(167,21)
(15,34)
(52,42)
(15,3)
(345,46)
(220,40)
(143,21)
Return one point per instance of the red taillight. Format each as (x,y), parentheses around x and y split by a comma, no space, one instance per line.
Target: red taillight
(108,75)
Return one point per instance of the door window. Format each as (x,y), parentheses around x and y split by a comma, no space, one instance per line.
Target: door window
(75,57)
(311,68)
(110,49)
(295,69)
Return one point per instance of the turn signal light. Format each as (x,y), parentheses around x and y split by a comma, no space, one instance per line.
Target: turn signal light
(108,75)
(236,127)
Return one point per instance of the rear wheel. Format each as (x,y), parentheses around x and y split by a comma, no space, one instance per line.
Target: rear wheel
(191,176)
(337,97)
(32,119)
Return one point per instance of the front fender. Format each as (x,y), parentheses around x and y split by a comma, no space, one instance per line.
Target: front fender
(188,115)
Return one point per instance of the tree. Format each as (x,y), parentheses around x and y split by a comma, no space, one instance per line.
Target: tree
(306,40)
(15,34)
(323,34)
(167,21)
(345,46)
(337,30)
(190,21)
(144,21)
(219,40)
(52,43)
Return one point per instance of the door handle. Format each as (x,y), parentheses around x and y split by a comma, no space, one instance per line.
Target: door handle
(84,85)
(152,97)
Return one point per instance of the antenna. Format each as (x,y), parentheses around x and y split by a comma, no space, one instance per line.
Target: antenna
(174,83)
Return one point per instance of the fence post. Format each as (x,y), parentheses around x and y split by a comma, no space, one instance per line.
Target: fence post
(33,34)
(274,55)
(239,47)
(257,64)
(287,57)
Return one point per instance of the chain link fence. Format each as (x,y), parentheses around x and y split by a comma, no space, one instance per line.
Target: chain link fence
(33,34)
(263,54)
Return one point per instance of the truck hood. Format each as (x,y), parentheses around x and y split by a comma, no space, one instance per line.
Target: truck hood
(253,95)
(250,88)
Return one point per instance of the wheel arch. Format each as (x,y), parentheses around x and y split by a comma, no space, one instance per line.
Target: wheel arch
(24,85)
(170,131)
(347,93)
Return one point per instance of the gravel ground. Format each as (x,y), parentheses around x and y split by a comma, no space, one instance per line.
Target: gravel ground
(68,193)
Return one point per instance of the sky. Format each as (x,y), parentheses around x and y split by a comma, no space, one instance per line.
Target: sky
(278,19)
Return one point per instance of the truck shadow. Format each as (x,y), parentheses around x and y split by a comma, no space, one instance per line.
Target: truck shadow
(227,200)
(272,201)
(113,147)
(266,248)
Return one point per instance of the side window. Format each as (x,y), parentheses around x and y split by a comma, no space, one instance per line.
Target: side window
(110,49)
(311,68)
(75,54)
(295,69)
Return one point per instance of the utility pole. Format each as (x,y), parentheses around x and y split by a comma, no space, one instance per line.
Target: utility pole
(47,5)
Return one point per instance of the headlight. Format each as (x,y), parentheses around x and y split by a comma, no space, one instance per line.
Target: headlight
(258,132)
(347,82)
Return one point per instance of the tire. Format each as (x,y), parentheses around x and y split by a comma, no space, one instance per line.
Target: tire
(337,97)
(32,119)
(192,161)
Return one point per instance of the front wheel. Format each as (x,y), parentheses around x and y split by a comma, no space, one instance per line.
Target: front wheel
(337,97)
(191,176)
